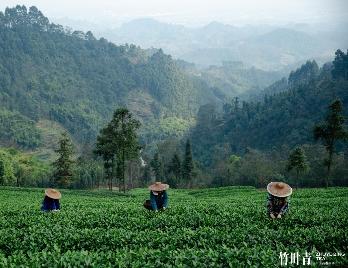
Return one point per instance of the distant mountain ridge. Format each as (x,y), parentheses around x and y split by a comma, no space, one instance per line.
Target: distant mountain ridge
(265,47)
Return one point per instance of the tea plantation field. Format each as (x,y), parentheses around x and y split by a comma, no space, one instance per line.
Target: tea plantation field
(223,227)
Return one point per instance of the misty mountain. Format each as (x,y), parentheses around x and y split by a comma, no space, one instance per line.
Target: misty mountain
(265,47)
(233,78)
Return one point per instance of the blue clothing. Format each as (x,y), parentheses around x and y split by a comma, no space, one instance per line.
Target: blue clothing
(159,201)
(277,205)
(49,204)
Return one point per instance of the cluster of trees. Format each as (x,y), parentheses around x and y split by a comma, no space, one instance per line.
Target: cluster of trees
(119,150)
(257,168)
(22,169)
(177,172)
(48,72)
(117,144)
(282,121)
(222,161)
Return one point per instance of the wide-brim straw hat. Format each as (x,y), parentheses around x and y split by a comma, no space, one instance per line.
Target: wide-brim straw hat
(279,189)
(53,193)
(158,187)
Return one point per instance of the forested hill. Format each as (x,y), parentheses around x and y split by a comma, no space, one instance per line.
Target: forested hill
(285,117)
(69,77)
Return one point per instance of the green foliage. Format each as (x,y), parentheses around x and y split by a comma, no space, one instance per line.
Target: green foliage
(175,169)
(118,143)
(16,129)
(341,65)
(223,227)
(7,176)
(157,167)
(146,177)
(187,165)
(88,174)
(331,131)
(257,168)
(297,160)
(63,166)
(304,75)
(48,72)
(285,118)
(233,79)
(22,169)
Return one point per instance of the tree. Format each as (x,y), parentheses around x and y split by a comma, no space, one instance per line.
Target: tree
(63,166)
(118,143)
(330,131)
(104,148)
(156,165)
(297,160)
(341,65)
(146,177)
(175,168)
(2,171)
(187,165)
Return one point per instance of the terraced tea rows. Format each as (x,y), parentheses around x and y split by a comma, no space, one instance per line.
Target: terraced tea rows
(225,227)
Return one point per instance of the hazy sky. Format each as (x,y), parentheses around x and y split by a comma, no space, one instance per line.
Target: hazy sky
(192,12)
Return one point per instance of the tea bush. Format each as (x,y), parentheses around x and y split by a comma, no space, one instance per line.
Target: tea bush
(222,227)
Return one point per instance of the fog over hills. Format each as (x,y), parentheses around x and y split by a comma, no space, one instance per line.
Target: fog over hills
(268,47)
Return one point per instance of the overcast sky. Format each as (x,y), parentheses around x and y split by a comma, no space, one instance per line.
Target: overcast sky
(192,12)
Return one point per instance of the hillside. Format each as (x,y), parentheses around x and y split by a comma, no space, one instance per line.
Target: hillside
(234,79)
(69,77)
(284,117)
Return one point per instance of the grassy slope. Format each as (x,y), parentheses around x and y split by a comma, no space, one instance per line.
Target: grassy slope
(203,228)
(50,132)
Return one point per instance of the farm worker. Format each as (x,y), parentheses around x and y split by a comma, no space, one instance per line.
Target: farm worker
(51,200)
(158,197)
(278,199)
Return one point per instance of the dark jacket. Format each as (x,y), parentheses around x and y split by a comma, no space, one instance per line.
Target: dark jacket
(277,205)
(159,201)
(49,204)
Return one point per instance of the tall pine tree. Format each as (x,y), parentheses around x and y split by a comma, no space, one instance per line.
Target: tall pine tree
(330,131)
(187,165)
(63,166)
(146,177)
(174,168)
(157,168)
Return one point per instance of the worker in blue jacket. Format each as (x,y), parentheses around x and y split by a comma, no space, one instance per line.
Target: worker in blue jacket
(51,200)
(158,197)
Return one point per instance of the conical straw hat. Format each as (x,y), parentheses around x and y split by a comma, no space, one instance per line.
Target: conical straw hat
(158,187)
(53,193)
(279,189)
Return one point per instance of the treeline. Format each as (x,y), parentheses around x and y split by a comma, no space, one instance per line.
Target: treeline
(48,72)
(22,169)
(250,142)
(116,162)
(298,136)
(172,165)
